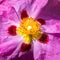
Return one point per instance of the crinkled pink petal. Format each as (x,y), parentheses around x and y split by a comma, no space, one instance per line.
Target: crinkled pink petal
(53,49)
(25,5)
(8,11)
(16,51)
(51,10)
(5,23)
(36,7)
(52,26)
(5,48)
(13,16)
(17,4)
(8,45)
(38,50)
(8,18)
(47,51)
(4,7)
(4,30)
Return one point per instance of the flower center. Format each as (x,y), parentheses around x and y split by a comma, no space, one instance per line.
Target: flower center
(30,29)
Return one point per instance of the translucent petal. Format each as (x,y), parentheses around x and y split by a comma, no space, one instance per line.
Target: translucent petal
(36,7)
(38,50)
(13,16)
(52,26)
(53,48)
(47,51)
(16,52)
(7,11)
(7,19)
(19,4)
(8,45)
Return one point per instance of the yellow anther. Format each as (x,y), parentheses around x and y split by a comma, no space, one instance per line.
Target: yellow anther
(29,27)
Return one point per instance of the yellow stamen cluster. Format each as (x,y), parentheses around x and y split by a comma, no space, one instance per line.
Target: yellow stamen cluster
(30,29)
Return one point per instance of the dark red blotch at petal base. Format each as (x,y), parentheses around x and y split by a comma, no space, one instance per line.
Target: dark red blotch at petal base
(24,14)
(42,21)
(25,47)
(12,30)
(44,38)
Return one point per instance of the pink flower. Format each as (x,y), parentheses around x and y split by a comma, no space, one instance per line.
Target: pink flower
(12,43)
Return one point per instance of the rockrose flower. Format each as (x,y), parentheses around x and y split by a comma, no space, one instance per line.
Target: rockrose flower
(22,29)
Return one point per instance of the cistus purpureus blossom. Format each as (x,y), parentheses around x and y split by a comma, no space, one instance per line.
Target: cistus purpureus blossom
(25,27)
